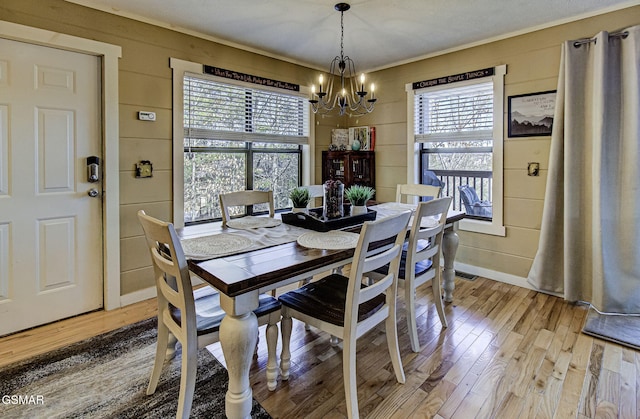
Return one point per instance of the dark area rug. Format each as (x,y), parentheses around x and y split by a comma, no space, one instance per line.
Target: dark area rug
(106,377)
(624,330)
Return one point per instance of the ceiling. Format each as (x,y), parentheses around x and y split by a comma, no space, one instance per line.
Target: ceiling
(377,33)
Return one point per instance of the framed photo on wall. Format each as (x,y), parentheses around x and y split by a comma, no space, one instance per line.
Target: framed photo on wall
(531,114)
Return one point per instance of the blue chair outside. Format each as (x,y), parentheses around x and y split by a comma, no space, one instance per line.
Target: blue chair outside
(472,204)
(430,178)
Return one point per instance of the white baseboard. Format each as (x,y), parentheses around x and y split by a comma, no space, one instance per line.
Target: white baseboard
(495,275)
(147,293)
(500,277)
(137,296)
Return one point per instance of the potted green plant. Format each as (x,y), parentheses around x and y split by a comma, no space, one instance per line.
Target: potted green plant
(358,195)
(300,199)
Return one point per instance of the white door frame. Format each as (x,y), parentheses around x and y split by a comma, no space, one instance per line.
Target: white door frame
(109,55)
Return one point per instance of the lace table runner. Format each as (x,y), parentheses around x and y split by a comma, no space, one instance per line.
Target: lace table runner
(239,241)
(233,241)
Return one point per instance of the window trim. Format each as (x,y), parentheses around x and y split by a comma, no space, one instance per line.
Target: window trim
(180,67)
(496,225)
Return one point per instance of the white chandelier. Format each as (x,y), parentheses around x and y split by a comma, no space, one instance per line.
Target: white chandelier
(351,98)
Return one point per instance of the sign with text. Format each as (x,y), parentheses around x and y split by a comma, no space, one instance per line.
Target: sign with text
(469,75)
(235,75)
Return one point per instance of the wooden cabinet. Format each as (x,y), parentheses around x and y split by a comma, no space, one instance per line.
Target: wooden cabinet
(350,167)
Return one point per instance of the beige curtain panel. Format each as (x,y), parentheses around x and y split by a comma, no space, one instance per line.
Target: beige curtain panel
(589,244)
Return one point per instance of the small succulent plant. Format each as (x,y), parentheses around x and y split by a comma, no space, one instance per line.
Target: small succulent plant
(359,195)
(299,197)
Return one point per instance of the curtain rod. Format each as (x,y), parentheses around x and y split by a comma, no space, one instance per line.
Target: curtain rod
(579,42)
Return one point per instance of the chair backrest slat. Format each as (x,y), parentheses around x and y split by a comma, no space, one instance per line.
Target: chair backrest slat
(244,198)
(406,191)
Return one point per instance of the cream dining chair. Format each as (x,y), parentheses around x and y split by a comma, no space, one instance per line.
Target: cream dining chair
(192,317)
(244,198)
(316,191)
(345,308)
(421,262)
(406,192)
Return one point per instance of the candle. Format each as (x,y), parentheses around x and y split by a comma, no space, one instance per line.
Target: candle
(321,78)
(362,82)
(373,96)
(343,100)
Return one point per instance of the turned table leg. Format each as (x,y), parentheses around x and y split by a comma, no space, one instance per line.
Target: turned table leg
(449,249)
(238,339)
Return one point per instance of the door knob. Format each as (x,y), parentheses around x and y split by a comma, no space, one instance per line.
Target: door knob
(93,192)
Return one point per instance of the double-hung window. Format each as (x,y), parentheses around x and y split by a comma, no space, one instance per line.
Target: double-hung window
(458,142)
(238,136)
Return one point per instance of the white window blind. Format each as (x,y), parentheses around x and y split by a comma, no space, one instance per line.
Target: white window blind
(454,113)
(223,111)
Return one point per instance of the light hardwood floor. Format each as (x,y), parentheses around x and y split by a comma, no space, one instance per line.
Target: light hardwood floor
(508,353)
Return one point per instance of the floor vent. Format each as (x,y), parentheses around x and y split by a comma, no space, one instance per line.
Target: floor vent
(464,275)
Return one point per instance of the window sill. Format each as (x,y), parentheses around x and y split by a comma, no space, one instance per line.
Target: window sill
(483,227)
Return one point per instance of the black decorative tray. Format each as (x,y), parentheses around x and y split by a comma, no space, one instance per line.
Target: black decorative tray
(314,221)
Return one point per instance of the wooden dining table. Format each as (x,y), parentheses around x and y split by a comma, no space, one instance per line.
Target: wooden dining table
(241,277)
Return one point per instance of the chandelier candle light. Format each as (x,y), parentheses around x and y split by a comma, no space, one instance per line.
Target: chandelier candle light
(354,99)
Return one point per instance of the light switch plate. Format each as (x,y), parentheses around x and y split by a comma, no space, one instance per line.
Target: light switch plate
(146,116)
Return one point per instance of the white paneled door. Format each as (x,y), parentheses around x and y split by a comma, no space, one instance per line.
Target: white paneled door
(50,226)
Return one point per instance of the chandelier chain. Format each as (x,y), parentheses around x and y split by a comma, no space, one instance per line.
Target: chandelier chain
(342,35)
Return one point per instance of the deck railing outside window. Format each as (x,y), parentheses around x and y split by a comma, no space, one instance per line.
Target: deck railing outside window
(452,179)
